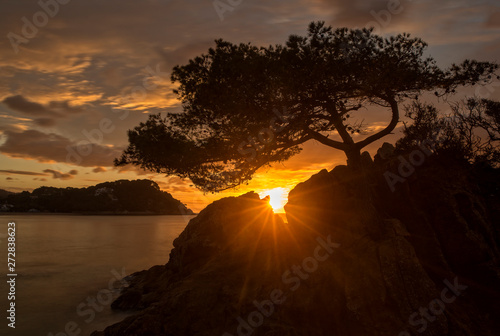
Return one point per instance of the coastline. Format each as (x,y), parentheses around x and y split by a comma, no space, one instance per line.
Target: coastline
(104,213)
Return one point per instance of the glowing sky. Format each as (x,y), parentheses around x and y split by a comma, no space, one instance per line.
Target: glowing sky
(89,70)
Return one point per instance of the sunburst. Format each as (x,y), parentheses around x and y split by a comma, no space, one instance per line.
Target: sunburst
(278,198)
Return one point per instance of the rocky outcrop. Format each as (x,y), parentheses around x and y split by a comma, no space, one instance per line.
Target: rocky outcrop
(363,253)
(402,248)
(223,258)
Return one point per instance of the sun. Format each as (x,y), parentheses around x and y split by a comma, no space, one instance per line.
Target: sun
(278,198)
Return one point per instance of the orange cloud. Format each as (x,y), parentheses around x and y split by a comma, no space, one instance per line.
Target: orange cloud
(62,176)
(99,170)
(21,172)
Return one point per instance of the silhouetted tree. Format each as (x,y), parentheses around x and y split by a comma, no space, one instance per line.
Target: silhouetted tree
(245,106)
(470,133)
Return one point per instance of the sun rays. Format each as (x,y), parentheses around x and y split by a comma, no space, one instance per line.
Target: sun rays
(278,198)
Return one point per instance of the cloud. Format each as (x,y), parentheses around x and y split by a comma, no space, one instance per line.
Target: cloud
(362,13)
(51,147)
(55,174)
(99,170)
(493,20)
(58,175)
(45,122)
(21,104)
(47,114)
(8,117)
(64,107)
(9,178)
(21,172)
(132,168)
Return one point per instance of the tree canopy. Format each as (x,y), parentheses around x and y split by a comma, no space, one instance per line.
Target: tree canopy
(246,106)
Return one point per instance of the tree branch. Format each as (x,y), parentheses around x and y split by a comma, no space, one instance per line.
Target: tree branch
(341,128)
(392,125)
(325,141)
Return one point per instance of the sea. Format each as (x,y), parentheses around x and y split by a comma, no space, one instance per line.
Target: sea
(68,268)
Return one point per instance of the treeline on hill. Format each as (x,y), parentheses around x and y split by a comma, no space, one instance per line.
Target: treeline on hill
(123,196)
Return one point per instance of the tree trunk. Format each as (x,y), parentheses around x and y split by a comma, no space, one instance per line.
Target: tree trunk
(353,154)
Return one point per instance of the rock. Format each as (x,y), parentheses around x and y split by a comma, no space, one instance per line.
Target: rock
(130,299)
(385,152)
(353,259)
(366,159)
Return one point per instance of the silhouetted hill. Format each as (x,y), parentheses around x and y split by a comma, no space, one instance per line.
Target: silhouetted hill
(4,193)
(357,257)
(123,196)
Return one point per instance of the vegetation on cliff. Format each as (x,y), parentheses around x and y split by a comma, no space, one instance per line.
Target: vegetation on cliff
(122,196)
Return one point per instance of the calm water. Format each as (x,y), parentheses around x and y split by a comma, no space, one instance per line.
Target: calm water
(62,261)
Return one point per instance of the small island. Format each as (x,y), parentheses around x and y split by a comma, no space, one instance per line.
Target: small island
(122,197)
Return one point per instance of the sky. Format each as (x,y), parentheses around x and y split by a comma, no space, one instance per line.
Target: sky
(76,75)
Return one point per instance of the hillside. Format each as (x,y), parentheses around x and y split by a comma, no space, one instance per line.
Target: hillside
(4,193)
(354,259)
(122,196)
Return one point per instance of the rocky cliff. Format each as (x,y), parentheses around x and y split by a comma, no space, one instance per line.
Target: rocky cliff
(396,249)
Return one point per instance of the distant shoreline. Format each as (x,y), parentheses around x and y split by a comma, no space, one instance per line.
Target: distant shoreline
(105,213)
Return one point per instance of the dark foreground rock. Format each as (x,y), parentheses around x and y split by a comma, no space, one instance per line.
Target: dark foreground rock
(354,259)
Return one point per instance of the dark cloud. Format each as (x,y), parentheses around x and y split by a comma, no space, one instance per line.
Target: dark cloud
(58,175)
(21,172)
(45,122)
(21,104)
(73,172)
(9,178)
(43,147)
(47,113)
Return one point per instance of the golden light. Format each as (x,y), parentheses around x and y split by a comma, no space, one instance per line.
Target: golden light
(278,198)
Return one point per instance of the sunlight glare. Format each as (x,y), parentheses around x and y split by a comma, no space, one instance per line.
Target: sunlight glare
(279,197)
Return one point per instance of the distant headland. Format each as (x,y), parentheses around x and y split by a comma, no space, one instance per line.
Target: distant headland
(122,197)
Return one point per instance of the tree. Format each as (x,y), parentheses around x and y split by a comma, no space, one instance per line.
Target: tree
(471,133)
(245,107)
